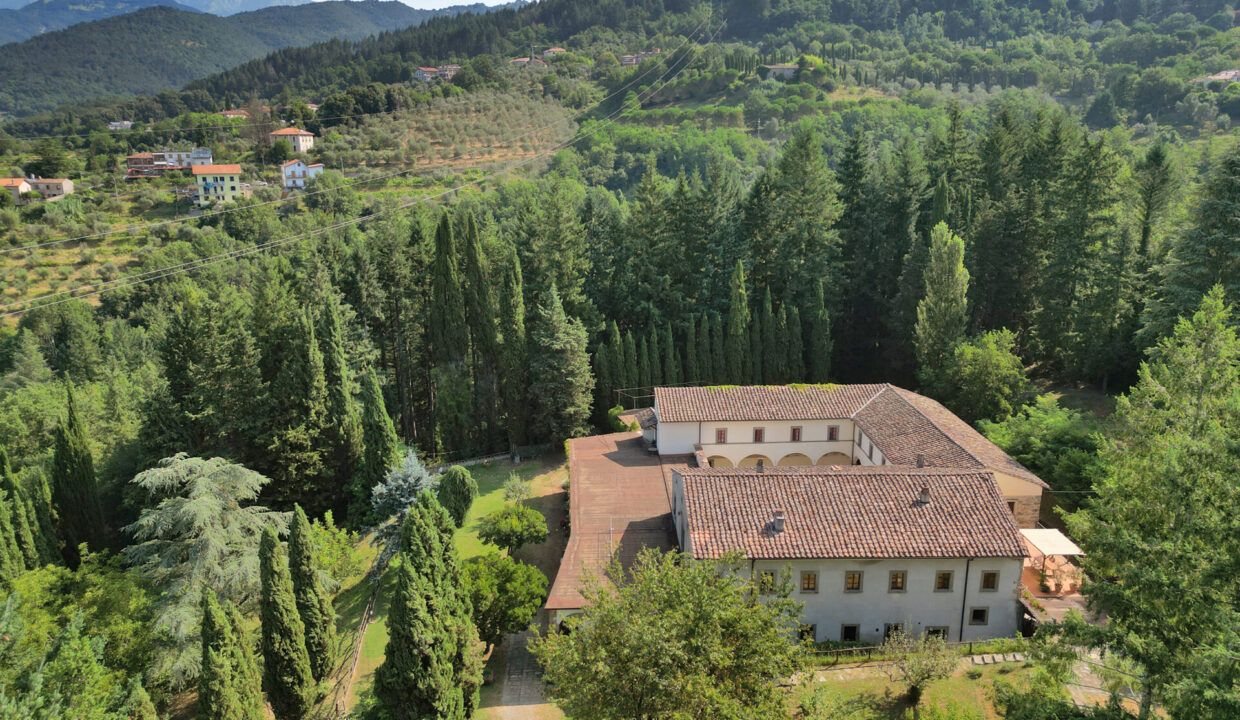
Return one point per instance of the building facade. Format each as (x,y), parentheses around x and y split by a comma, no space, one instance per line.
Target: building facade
(154,164)
(296,173)
(217,184)
(829,425)
(301,140)
(867,550)
(51,188)
(15,187)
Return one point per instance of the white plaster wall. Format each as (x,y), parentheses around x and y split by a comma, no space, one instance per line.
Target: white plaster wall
(677,438)
(918,607)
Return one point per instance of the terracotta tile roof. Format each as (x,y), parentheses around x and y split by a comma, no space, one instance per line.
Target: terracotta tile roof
(761,402)
(11,182)
(901,423)
(969,439)
(848,512)
(294,161)
(217,169)
(290,131)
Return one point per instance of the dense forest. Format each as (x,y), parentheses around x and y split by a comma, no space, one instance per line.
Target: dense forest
(165,47)
(980,203)
(41,17)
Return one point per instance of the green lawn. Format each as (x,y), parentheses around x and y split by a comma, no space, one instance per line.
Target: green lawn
(490,479)
(868,694)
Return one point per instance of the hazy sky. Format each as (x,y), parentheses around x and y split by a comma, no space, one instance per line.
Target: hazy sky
(427,4)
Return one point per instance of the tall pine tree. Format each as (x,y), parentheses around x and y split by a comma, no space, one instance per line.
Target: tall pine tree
(942,314)
(513,351)
(380,448)
(75,487)
(314,605)
(287,677)
(343,426)
(739,362)
(560,381)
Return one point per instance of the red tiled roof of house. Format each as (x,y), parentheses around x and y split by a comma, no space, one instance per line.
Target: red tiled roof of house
(902,424)
(314,165)
(217,169)
(290,131)
(294,161)
(233,113)
(847,512)
(761,402)
(11,182)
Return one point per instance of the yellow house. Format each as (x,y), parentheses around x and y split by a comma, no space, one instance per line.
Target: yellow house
(217,183)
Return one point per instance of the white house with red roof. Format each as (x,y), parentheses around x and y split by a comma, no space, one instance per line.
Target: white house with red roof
(15,187)
(869,550)
(301,140)
(296,173)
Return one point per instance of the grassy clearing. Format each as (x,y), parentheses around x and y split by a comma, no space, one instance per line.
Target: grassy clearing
(866,693)
(545,476)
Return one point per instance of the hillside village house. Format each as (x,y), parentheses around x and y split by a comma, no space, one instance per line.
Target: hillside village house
(217,184)
(296,173)
(51,188)
(233,113)
(120,125)
(154,164)
(828,425)
(301,140)
(782,71)
(636,59)
(871,549)
(15,187)
(552,52)
(445,73)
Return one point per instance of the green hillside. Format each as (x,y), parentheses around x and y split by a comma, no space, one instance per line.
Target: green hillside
(163,48)
(43,16)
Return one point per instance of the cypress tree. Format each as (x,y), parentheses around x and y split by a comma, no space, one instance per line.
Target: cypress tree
(314,605)
(739,363)
(513,351)
(297,450)
(247,678)
(757,373)
(39,507)
(380,448)
(718,350)
(656,358)
(772,350)
(415,680)
(560,380)
(457,492)
(76,492)
(691,353)
(671,365)
(819,343)
(942,315)
(940,204)
(796,346)
(22,511)
(447,327)
(620,375)
(604,385)
(11,563)
(287,677)
(218,698)
(632,362)
(480,318)
(644,379)
(344,427)
(706,358)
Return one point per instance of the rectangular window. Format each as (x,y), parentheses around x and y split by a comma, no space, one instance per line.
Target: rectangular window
(990,581)
(890,629)
(759,434)
(895,582)
(809,582)
(943,581)
(796,434)
(833,433)
(766,582)
(937,631)
(852,581)
(721,436)
(850,633)
(979,616)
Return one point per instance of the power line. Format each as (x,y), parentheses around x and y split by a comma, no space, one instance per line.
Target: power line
(152,275)
(165,223)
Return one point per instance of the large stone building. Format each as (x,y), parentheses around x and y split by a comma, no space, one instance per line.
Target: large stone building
(835,425)
(870,549)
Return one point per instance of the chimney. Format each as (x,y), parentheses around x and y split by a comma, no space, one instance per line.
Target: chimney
(777,523)
(921,460)
(761,466)
(925,496)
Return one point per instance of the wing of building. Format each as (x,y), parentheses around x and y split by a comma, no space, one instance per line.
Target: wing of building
(826,425)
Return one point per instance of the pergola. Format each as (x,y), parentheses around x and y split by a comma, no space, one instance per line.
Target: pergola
(1050,542)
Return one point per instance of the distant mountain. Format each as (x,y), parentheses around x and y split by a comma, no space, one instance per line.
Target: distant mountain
(44,16)
(160,48)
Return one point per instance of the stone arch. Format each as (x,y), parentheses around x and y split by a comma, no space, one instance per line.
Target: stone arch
(752,461)
(834,458)
(719,461)
(795,460)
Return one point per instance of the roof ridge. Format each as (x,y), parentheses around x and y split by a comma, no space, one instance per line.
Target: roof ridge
(885,387)
(941,431)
